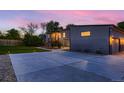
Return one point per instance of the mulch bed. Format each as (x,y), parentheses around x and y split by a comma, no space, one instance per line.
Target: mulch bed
(7,73)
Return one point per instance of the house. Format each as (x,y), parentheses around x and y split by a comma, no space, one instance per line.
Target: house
(57,38)
(106,39)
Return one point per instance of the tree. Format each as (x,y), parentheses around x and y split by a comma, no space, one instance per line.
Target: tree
(60,29)
(0,33)
(52,26)
(32,40)
(43,36)
(30,28)
(13,34)
(68,26)
(43,26)
(24,29)
(121,25)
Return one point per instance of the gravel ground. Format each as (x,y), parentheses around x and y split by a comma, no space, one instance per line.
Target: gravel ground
(7,73)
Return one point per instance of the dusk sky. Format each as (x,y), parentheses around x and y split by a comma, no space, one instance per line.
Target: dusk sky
(11,19)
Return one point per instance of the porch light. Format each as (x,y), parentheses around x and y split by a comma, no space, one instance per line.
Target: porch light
(111,40)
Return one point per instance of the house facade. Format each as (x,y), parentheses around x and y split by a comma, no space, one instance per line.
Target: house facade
(106,39)
(58,38)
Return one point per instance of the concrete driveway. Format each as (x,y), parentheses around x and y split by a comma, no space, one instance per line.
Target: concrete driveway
(67,67)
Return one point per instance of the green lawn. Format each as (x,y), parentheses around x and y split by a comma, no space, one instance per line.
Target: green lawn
(19,49)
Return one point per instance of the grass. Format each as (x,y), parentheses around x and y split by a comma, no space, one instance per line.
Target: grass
(19,49)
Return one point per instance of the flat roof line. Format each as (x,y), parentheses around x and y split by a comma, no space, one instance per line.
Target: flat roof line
(96,25)
(120,29)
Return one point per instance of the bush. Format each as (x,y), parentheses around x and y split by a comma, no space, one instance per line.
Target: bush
(2,37)
(56,44)
(30,40)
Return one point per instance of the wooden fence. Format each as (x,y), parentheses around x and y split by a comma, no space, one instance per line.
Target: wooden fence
(5,42)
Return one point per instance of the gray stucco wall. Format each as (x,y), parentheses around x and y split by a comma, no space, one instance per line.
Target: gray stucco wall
(99,39)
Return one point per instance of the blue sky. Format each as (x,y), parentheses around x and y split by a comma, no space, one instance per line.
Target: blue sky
(14,19)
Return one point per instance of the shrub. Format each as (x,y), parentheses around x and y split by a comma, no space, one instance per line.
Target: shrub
(30,40)
(43,37)
(2,37)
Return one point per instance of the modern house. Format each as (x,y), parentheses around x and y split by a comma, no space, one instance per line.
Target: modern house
(106,39)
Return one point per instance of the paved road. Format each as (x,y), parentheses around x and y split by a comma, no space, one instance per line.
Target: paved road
(67,67)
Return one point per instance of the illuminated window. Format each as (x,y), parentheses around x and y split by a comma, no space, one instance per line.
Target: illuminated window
(122,41)
(56,36)
(87,33)
(63,34)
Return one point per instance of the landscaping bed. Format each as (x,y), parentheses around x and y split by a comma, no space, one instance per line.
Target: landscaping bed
(7,73)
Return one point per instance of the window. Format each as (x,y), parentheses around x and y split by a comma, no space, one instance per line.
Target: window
(55,36)
(85,34)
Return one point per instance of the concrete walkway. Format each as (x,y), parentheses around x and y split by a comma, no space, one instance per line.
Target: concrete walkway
(52,50)
(67,66)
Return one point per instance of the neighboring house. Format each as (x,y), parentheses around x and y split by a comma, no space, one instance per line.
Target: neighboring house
(106,39)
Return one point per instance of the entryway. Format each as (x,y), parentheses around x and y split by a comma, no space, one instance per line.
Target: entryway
(115,45)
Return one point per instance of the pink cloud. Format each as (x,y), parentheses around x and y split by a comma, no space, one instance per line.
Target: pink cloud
(18,21)
(69,17)
(66,12)
(21,21)
(85,16)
